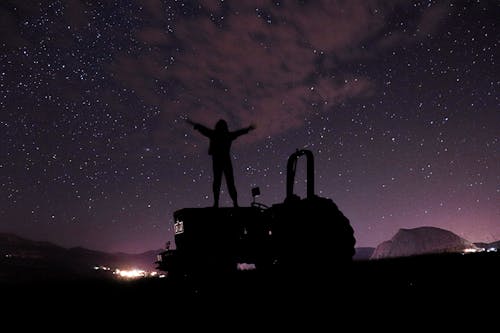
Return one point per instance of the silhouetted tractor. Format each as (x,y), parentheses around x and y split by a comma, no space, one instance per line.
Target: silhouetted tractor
(298,234)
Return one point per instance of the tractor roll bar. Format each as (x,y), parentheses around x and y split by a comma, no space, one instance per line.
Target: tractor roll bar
(290,172)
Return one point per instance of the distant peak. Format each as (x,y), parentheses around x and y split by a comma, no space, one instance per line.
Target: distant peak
(423,228)
(420,240)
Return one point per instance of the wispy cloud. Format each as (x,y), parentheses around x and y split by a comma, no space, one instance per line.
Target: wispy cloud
(249,61)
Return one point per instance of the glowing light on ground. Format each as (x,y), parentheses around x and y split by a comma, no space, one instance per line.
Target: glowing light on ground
(471,250)
(245,266)
(130,274)
(102,268)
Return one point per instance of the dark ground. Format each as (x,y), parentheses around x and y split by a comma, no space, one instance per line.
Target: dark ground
(419,287)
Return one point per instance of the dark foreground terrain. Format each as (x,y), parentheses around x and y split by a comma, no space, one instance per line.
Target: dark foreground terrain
(433,285)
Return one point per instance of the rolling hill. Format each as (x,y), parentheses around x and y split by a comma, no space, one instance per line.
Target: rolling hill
(21,258)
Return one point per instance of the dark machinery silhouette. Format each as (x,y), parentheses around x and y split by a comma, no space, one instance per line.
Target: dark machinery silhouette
(305,234)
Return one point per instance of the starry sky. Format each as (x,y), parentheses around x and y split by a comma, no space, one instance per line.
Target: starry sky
(398,100)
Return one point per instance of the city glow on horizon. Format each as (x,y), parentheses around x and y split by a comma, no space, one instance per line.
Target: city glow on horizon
(130,274)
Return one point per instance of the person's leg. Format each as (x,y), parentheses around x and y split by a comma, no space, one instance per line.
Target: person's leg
(218,169)
(228,172)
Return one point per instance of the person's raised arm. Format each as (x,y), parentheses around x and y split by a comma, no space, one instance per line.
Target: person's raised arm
(199,127)
(242,131)
(190,122)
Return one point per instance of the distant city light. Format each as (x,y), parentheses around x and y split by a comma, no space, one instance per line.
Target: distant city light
(473,250)
(130,274)
(102,268)
(245,266)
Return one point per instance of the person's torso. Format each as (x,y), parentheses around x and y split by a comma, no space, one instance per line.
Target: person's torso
(220,144)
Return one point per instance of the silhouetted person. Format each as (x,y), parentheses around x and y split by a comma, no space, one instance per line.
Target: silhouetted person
(220,145)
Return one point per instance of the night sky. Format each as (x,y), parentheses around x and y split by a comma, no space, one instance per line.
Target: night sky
(398,100)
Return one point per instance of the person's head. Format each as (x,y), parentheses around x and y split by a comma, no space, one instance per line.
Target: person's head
(221,126)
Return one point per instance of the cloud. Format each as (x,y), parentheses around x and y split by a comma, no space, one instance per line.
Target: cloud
(249,62)
(154,8)
(432,17)
(254,62)
(153,36)
(428,21)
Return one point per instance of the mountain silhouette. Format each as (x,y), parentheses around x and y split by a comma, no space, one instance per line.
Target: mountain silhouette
(495,245)
(363,253)
(21,258)
(422,240)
